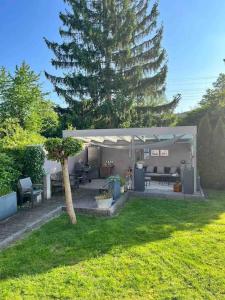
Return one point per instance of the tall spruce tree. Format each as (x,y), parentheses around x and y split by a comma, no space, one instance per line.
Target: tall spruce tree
(218,156)
(110,49)
(204,150)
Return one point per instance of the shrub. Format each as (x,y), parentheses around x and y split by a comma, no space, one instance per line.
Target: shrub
(13,136)
(9,174)
(33,162)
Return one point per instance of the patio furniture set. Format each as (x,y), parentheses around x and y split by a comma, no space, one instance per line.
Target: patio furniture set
(162,174)
(82,173)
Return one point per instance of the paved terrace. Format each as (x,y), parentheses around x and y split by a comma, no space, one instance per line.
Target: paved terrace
(28,219)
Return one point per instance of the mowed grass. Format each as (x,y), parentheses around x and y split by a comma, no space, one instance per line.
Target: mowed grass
(154,249)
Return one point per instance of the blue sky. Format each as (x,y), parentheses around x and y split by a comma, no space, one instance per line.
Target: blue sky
(194,37)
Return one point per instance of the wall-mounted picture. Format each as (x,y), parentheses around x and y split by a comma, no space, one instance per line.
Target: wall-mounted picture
(164,152)
(146,153)
(154,152)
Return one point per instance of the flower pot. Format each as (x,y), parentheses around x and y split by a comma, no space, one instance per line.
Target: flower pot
(104,203)
(8,205)
(115,188)
(177,187)
(122,189)
(139,166)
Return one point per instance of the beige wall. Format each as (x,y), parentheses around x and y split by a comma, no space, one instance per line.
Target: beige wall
(119,157)
(177,152)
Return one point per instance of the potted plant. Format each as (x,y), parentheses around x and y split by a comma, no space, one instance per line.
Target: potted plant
(104,200)
(114,186)
(140,164)
(122,184)
(177,187)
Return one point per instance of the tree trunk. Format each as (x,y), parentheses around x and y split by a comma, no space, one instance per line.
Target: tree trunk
(68,194)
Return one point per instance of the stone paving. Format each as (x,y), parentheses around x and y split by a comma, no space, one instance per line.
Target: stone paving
(27,219)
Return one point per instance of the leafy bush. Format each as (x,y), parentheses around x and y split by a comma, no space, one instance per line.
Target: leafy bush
(122,181)
(60,149)
(33,162)
(104,195)
(9,174)
(13,136)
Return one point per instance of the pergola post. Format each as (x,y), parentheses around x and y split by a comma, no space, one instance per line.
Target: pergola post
(132,159)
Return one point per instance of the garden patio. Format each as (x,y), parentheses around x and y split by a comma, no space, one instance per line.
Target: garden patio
(167,154)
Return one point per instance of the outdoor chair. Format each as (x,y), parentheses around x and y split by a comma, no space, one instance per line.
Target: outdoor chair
(28,192)
(81,172)
(57,182)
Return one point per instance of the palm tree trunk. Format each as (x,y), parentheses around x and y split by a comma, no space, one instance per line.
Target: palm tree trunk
(68,194)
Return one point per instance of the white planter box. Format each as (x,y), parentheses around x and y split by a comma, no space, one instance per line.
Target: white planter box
(105,203)
(8,205)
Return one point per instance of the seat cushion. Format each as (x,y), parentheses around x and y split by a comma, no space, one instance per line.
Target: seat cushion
(167,170)
(150,169)
(173,170)
(160,170)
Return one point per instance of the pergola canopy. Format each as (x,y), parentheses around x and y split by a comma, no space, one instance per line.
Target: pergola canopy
(142,137)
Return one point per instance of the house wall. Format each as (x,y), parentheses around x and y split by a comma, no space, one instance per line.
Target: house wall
(52,167)
(122,161)
(177,153)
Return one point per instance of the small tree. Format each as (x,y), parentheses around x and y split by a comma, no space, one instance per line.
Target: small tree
(60,149)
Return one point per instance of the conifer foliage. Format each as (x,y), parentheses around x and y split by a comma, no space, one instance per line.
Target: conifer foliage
(204,148)
(109,49)
(211,153)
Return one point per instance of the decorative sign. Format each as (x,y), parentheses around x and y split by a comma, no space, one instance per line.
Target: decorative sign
(154,152)
(164,152)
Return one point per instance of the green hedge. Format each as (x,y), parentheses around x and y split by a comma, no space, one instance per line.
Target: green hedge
(33,161)
(9,174)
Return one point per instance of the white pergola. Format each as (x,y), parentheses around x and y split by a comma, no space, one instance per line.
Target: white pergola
(139,138)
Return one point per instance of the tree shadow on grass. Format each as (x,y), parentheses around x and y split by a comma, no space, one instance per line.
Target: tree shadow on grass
(141,221)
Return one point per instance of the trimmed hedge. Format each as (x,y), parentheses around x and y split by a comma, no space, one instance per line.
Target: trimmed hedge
(9,174)
(33,162)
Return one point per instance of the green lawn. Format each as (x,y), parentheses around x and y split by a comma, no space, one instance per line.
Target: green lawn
(155,249)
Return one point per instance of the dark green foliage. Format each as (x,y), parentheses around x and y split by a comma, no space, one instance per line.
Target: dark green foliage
(109,46)
(60,149)
(112,59)
(218,156)
(8,174)
(33,162)
(117,113)
(204,151)
(210,133)
(211,153)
